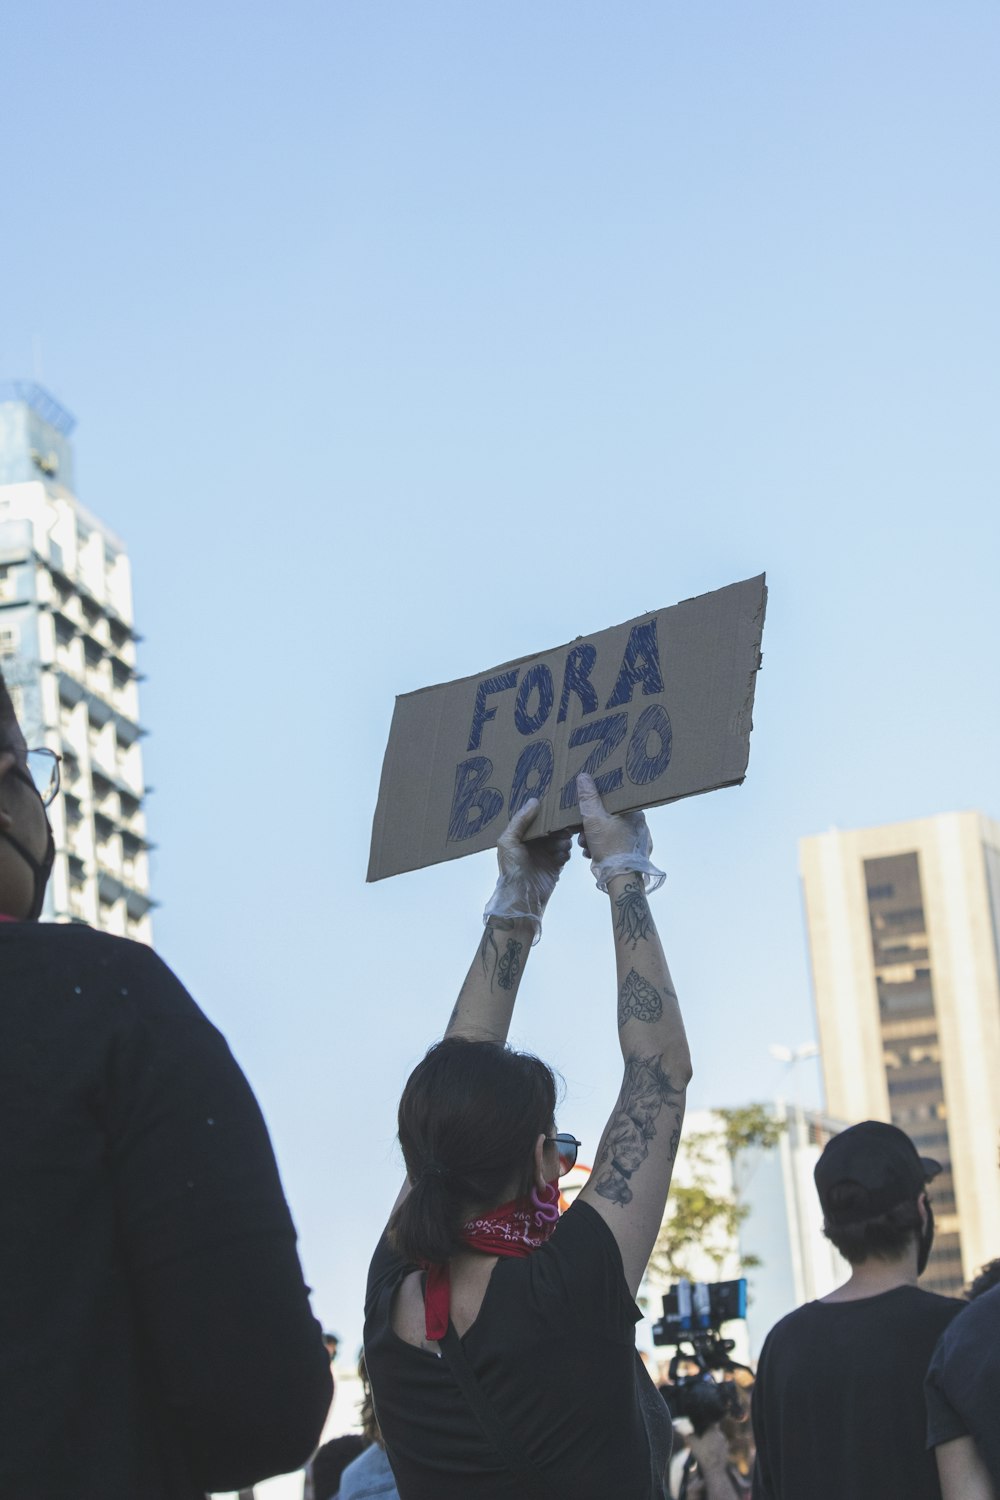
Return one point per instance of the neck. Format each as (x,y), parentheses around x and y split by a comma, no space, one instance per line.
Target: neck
(875,1277)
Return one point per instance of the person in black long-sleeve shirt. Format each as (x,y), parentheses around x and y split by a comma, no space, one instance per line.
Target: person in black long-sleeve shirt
(156,1339)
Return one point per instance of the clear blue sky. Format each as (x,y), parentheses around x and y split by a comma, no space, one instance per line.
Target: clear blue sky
(407,339)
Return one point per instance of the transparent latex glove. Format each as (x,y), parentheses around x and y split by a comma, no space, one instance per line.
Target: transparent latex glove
(529,870)
(616,843)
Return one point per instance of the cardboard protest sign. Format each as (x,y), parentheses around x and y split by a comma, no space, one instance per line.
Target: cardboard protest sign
(655,709)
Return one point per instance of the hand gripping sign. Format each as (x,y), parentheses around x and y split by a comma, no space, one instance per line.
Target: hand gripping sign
(655,709)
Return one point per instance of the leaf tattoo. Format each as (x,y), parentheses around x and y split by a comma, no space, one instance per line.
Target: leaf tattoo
(634,917)
(489,953)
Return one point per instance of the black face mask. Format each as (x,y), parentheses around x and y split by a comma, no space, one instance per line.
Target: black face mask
(925,1240)
(41,869)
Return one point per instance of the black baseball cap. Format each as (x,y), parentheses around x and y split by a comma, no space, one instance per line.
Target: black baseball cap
(879,1162)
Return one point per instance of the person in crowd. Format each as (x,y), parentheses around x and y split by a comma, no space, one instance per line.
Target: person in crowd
(330,1463)
(370,1476)
(499,1337)
(716,1456)
(151,1298)
(961,1389)
(714,1467)
(987,1278)
(838,1404)
(681,1460)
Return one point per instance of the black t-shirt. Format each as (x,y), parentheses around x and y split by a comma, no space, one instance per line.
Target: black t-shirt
(155,1334)
(963,1382)
(553,1348)
(838,1406)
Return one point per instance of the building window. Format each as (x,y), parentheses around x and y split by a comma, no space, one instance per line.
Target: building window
(905,982)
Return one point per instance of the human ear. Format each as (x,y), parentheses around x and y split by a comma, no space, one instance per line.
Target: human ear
(539,1163)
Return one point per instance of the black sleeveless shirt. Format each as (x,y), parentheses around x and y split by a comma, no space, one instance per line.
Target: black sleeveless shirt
(553,1348)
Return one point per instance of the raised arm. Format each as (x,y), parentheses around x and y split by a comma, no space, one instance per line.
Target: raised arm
(513,923)
(529,870)
(635,1158)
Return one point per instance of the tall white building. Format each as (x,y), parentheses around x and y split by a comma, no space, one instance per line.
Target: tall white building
(904,937)
(68,654)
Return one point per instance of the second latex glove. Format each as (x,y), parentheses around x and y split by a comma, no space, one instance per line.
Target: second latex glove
(618,843)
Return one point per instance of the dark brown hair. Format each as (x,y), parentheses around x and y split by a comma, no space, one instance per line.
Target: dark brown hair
(370,1429)
(988,1278)
(468,1121)
(887,1236)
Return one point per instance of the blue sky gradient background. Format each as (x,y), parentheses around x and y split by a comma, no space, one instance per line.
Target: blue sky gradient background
(409,339)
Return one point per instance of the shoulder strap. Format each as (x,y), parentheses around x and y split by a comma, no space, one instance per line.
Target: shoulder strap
(521,1467)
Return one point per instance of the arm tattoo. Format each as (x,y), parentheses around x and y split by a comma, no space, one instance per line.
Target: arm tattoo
(638,1000)
(509,968)
(490,953)
(645,1090)
(634,917)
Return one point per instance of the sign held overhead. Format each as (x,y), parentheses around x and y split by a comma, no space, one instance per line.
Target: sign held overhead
(656,709)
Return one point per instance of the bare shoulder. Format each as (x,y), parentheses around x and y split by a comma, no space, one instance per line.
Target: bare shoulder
(408,1312)
(470,1277)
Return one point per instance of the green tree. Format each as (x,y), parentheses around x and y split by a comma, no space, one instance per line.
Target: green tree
(699,1218)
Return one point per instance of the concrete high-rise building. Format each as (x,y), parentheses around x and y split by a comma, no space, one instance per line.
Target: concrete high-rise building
(68,654)
(904,935)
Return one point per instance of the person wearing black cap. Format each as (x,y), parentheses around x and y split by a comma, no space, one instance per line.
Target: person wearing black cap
(838,1409)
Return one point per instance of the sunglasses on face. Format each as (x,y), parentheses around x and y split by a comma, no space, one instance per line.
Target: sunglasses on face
(567,1147)
(42,774)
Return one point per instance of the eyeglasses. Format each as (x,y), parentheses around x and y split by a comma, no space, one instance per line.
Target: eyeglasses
(44,768)
(567,1146)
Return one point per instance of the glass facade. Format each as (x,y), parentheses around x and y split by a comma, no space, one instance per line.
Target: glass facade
(911,1049)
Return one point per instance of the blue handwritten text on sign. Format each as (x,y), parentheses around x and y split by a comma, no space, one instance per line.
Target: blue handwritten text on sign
(476,804)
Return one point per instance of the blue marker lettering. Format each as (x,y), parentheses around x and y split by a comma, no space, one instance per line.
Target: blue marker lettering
(609,734)
(641,663)
(538,761)
(480,714)
(576,679)
(642,767)
(474,804)
(535,678)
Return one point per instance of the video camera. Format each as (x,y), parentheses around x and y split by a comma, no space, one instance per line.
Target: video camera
(693,1315)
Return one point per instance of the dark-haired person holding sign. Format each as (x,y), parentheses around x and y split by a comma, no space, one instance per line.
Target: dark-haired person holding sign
(499,1337)
(156,1334)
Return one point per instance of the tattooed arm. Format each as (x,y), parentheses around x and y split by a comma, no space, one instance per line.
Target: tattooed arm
(635,1158)
(485,1002)
(529,870)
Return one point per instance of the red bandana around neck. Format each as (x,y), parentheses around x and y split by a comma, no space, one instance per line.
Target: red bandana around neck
(515,1229)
